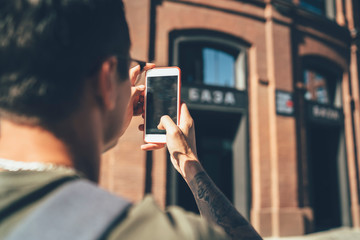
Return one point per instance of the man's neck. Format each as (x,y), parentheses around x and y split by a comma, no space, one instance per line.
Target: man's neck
(36,144)
(32,144)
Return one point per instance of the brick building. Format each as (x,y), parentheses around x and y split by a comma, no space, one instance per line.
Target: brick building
(273,87)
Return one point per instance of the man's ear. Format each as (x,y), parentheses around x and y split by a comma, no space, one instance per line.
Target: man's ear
(106,83)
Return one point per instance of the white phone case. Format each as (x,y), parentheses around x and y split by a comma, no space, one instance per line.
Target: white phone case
(161,72)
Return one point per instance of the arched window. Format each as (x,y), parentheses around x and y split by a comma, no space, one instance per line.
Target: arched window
(204,63)
(210,60)
(322,88)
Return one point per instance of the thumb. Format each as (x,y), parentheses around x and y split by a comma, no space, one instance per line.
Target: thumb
(184,115)
(166,123)
(160,126)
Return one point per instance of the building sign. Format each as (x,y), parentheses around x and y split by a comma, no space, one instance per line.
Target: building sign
(284,103)
(324,114)
(210,96)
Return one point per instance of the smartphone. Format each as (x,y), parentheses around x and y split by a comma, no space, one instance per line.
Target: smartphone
(162,97)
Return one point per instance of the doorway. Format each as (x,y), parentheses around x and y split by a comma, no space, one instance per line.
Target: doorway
(215,134)
(323,165)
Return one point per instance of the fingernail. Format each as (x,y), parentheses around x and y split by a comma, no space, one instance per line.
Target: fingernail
(141,87)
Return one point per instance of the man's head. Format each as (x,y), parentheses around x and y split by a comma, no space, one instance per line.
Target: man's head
(49,48)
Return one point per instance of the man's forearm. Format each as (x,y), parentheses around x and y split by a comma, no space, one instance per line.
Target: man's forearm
(216,208)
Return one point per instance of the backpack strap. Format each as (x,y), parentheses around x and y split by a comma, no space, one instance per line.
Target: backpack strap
(77,210)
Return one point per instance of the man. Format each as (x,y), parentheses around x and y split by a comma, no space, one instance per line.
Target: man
(65,97)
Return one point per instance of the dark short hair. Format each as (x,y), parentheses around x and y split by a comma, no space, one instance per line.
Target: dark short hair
(49,47)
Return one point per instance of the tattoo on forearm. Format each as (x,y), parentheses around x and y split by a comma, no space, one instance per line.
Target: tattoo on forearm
(215,207)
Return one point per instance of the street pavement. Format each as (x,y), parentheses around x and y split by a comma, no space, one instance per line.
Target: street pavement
(334,234)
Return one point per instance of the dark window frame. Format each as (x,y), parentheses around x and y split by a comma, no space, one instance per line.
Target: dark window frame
(221,41)
(193,63)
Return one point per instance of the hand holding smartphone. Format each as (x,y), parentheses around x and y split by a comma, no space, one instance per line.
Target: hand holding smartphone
(162,97)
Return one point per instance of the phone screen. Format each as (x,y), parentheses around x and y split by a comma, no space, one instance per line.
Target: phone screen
(161,100)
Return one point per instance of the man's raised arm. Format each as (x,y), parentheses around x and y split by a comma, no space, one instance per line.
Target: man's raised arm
(215,207)
(212,203)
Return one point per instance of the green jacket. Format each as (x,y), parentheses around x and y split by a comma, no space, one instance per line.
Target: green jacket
(21,192)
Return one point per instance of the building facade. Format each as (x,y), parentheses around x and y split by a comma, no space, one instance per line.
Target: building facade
(273,87)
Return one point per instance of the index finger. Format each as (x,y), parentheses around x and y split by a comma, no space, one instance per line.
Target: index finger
(148,66)
(137,70)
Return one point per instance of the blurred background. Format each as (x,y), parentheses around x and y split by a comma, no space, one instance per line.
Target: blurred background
(273,87)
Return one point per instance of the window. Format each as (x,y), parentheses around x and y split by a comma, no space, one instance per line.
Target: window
(218,68)
(316,6)
(321,88)
(207,63)
(321,7)
(316,87)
